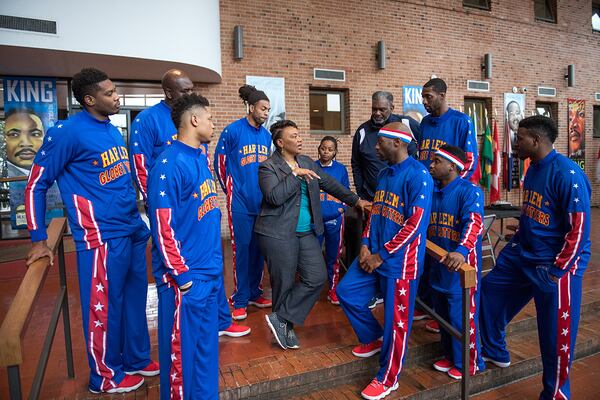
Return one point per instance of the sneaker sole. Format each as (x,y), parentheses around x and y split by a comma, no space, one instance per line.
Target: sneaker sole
(497,363)
(441,369)
(366,355)
(335,303)
(252,303)
(421,317)
(236,334)
(239,317)
(428,329)
(143,373)
(119,390)
(382,395)
(274,333)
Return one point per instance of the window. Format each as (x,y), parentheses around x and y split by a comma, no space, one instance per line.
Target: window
(481,4)
(549,110)
(479,109)
(327,111)
(545,10)
(596,128)
(596,16)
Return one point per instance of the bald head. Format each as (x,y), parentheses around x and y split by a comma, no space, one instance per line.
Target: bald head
(176,83)
(392,145)
(398,126)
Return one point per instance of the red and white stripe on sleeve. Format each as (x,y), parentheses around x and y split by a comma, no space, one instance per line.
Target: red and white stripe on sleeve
(168,245)
(572,241)
(474,229)
(407,232)
(141,173)
(468,165)
(30,211)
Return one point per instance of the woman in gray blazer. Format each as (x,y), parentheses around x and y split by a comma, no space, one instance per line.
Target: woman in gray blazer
(287,227)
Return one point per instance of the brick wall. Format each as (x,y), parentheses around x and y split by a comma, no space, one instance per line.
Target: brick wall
(289,38)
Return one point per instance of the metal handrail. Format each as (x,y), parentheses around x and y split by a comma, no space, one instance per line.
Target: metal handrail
(468,280)
(15,323)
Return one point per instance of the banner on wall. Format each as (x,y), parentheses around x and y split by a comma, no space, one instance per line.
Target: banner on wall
(274,88)
(412,102)
(514,112)
(30,109)
(576,127)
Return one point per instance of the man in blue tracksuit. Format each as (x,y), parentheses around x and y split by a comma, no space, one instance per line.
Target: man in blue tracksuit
(186,225)
(545,260)
(456,225)
(332,211)
(242,145)
(443,125)
(86,155)
(152,132)
(390,259)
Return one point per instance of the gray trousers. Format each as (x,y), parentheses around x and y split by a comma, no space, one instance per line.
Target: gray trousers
(293,300)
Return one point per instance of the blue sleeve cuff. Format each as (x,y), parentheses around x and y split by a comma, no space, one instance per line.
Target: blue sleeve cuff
(182,279)
(384,254)
(557,272)
(365,242)
(38,235)
(462,250)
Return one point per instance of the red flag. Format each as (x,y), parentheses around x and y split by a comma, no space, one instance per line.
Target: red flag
(495,186)
(474,179)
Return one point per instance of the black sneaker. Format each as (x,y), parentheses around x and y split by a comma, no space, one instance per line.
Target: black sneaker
(292,340)
(279,329)
(374,301)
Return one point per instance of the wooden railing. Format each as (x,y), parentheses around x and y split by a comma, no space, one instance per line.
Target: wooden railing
(468,280)
(15,323)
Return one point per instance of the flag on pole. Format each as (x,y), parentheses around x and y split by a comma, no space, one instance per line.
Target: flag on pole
(495,184)
(487,157)
(477,173)
(507,160)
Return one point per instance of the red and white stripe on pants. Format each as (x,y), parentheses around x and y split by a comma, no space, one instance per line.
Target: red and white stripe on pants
(400,331)
(336,265)
(563,334)
(98,318)
(176,366)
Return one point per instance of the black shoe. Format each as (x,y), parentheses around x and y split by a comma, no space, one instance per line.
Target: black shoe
(374,301)
(279,329)
(292,340)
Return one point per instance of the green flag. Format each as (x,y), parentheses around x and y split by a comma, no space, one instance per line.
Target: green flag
(487,158)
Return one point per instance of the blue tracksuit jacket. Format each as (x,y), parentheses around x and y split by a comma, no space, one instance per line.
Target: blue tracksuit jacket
(398,223)
(330,205)
(89,161)
(453,128)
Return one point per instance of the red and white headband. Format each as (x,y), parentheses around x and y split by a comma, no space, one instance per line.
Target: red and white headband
(406,137)
(450,157)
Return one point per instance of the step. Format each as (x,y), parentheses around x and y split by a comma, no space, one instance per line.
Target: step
(302,372)
(421,382)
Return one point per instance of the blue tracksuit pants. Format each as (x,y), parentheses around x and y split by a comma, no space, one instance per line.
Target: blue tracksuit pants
(333,237)
(248,262)
(195,342)
(449,307)
(507,289)
(113,284)
(166,310)
(354,292)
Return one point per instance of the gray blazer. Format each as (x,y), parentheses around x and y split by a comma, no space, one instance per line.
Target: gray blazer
(281,191)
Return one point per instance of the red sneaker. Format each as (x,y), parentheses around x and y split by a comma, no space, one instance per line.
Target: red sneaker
(261,302)
(443,365)
(152,369)
(235,330)
(419,315)
(367,350)
(332,297)
(239,313)
(433,326)
(128,384)
(454,373)
(377,390)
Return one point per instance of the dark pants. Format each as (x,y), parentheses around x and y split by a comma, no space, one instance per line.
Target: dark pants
(301,254)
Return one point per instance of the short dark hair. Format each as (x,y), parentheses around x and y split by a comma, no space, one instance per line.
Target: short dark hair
(456,152)
(85,83)
(278,127)
(541,125)
(381,94)
(184,103)
(251,95)
(437,84)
